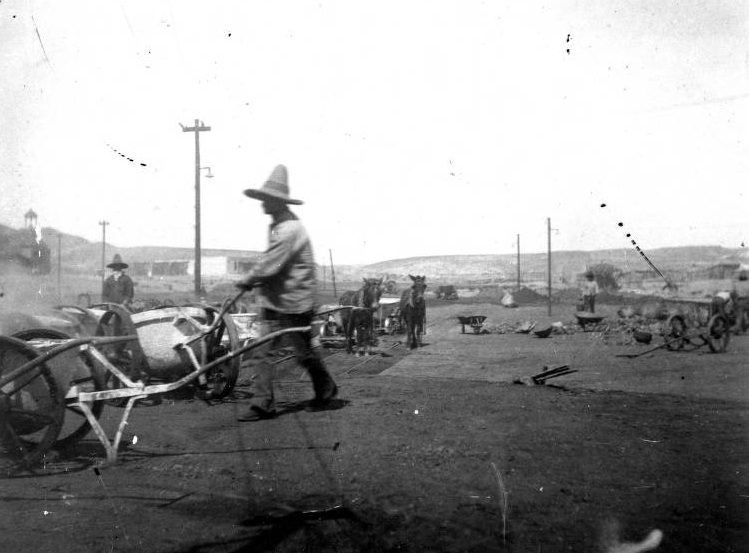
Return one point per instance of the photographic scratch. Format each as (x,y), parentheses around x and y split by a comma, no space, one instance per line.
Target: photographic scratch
(39,36)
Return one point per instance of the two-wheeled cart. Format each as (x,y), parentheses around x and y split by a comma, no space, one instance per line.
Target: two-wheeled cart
(689,330)
(53,387)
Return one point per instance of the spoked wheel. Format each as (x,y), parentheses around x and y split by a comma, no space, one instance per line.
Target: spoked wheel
(223,340)
(718,333)
(676,332)
(77,371)
(127,357)
(32,407)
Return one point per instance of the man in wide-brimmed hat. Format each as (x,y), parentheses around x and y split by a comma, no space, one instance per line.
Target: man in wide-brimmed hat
(285,275)
(118,287)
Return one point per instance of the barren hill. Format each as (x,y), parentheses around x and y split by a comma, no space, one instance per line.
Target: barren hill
(565,264)
(81,255)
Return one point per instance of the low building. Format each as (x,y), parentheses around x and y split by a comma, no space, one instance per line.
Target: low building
(210,266)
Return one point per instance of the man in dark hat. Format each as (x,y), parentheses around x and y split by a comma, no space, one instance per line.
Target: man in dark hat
(285,275)
(118,287)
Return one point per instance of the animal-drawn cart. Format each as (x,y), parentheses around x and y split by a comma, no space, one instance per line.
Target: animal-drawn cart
(53,386)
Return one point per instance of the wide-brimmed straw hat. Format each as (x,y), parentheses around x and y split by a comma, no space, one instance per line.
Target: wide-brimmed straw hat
(276,187)
(117,263)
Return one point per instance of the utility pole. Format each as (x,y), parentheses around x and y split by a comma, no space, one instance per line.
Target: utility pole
(518,262)
(548,233)
(59,267)
(332,272)
(103,251)
(197,129)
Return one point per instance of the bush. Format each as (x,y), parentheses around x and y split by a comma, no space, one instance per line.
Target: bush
(607,276)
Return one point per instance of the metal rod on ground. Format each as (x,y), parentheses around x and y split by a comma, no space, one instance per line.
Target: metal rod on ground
(543,379)
(332,271)
(664,344)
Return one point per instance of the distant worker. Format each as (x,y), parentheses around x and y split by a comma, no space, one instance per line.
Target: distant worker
(286,279)
(118,287)
(740,298)
(590,291)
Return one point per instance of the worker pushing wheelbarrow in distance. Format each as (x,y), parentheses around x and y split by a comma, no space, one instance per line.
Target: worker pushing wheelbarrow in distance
(284,277)
(589,292)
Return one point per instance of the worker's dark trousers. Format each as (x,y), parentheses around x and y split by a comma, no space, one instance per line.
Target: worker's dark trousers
(263,358)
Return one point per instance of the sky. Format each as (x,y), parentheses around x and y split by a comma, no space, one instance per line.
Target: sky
(409,128)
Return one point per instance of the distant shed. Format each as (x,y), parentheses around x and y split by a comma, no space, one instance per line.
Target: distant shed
(211,266)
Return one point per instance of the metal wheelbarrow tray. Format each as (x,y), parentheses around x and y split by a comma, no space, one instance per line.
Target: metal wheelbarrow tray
(476,322)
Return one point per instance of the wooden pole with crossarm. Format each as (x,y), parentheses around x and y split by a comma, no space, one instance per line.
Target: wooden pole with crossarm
(197,129)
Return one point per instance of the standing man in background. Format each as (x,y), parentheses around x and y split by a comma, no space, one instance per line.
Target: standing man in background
(590,291)
(286,279)
(118,287)
(740,296)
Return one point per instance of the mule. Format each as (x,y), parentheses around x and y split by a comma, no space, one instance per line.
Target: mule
(360,319)
(413,311)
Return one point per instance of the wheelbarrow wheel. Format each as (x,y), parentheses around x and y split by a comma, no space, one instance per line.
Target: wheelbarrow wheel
(84,375)
(676,331)
(127,357)
(223,340)
(32,408)
(718,333)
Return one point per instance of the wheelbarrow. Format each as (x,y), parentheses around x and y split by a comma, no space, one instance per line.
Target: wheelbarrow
(46,376)
(476,322)
(588,319)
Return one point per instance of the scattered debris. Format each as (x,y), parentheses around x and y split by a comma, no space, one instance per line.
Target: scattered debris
(543,376)
(508,300)
(526,327)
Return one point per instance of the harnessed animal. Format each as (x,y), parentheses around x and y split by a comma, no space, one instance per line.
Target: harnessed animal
(413,311)
(360,319)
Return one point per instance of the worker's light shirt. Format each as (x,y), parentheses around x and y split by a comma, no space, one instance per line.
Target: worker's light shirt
(287,268)
(590,288)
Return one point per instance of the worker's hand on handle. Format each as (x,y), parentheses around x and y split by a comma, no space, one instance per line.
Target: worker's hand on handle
(246,285)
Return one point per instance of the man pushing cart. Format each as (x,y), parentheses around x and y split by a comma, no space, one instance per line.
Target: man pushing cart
(285,275)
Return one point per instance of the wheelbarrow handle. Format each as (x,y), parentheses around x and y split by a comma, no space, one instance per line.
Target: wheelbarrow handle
(651,350)
(228,303)
(217,321)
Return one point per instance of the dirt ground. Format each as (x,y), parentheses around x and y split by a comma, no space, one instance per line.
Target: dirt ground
(432,450)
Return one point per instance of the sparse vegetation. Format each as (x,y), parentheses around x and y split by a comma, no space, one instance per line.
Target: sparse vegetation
(607,276)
